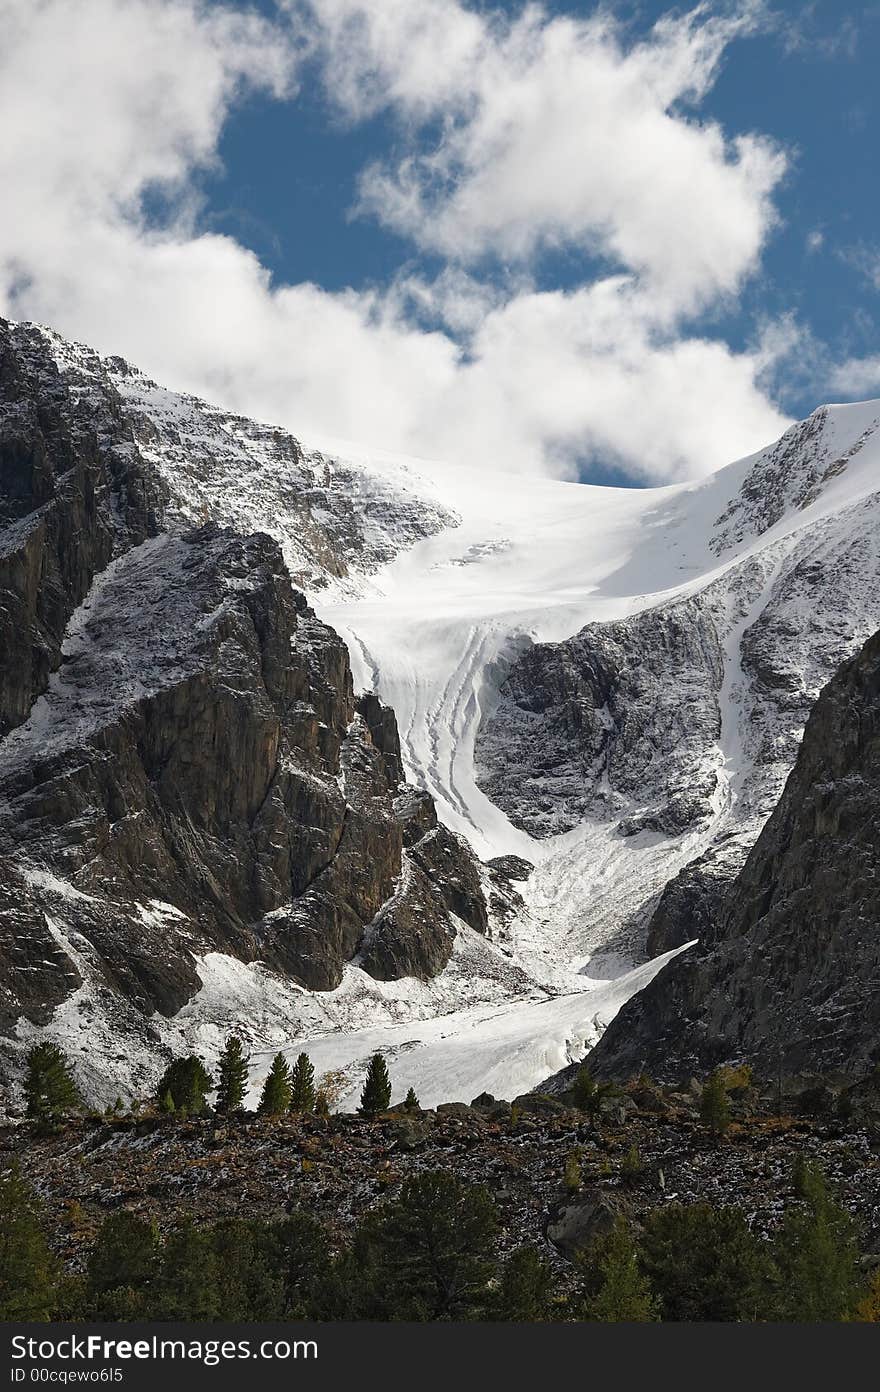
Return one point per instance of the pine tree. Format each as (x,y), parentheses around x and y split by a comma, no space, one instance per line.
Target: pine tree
(584,1090)
(704,1263)
(122,1265)
(714,1110)
(302,1085)
(28,1271)
(187,1286)
(249,1282)
(376,1096)
(816,1256)
(624,1293)
(275,1097)
(166,1104)
(189,1082)
(411,1102)
(49,1088)
(232,1077)
(429,1252)
(524,1294)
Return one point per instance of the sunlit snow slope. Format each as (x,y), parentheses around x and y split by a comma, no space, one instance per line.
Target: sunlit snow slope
(535,560)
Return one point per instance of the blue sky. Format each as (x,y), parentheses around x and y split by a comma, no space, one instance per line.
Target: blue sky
(619,252)
(287,186)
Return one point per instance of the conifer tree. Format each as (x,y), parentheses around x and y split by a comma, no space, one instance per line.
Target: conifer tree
(302,1086)
(429,1252)
(232,1077)
(411,1102)
(524,1293)
(166,1104)
(624,1294)
(122,1266)
(49,1088)
(584,1090)
(187,1286)
(189,1082)
(573,1174)
(714,1110)
(28,1271)
(816,1256)
(275,1097)
(376,1095)
(704,1263)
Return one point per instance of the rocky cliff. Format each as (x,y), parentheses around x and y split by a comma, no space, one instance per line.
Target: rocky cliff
(186,768)
(788,974)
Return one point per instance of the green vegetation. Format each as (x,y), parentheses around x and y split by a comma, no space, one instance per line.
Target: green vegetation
(187,1082)
(275,1097)
(28,1272)
(432,1253)
(376,1095)
(49,1089)
(232,1077)
(302,1086)
(714,1107)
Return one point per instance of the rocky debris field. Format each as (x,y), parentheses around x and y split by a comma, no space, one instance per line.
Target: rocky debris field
(646,1147)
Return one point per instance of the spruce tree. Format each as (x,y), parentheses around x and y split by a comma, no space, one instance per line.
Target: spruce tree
(376,1095)
(624,1294)
(49,1088)
(714,1110)
(302,1086)
(411,1102)
(232,1077)
(275,1097)
(188,1082)
(28,1271)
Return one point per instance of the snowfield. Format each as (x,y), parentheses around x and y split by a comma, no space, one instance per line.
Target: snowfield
(460,572)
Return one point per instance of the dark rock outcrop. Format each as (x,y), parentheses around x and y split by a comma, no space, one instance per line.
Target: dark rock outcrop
(788,977)
(594,725)
(73,493)
(185,766)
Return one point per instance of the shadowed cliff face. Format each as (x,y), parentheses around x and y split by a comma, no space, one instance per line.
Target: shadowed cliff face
(185,766)
(73,492)
(787,974)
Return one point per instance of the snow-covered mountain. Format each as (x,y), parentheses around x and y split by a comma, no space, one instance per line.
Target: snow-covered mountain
(609,684)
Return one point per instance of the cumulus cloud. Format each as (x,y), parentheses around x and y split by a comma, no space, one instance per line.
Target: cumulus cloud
(556,134)
(546,132)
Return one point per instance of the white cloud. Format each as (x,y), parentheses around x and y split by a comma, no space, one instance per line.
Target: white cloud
(857,378)
(102,101)
(556,133)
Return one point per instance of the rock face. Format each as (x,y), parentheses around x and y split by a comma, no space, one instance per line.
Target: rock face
(675,729)
(73,492)
(584,726)
(787,977)
(185,766)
